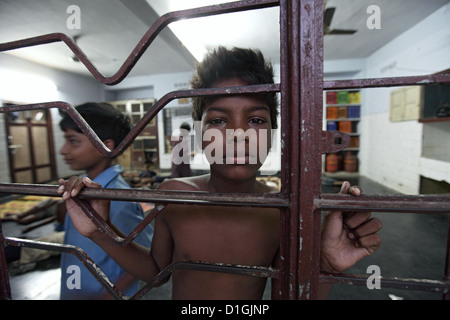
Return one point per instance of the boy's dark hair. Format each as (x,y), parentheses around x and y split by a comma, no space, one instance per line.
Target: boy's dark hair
(106,120)
(222,64)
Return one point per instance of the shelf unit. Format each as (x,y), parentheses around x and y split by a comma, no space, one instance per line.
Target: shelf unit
(342,113)
(144,149)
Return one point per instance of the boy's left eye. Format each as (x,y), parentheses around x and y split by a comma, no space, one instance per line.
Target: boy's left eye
(257,121)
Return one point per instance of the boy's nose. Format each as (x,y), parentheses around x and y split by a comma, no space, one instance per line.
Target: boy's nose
(63,149)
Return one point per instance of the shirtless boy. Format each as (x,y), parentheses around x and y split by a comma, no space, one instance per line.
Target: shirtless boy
(231,235)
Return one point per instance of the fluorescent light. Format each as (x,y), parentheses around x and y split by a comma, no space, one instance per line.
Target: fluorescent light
(25,87)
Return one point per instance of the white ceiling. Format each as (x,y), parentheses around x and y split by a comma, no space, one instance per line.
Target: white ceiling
(110,29)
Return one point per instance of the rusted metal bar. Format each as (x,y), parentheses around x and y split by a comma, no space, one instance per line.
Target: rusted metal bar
(446,296)
(290,125)
(386,82)
(157,196)
(210,267)
(142,123)
(104,227)
(79,253)
(397,283)
(146,40)
(5,289)
(113,290)
(385,203)
(301,110)
(311,109)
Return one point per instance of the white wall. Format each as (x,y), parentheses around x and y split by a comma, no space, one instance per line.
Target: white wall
(391,152)
(72,88)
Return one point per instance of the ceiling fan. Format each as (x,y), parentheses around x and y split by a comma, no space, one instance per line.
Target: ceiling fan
(327,17)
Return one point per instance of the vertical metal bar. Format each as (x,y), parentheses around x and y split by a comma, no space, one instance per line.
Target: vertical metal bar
(311,109)
(5,290)
(301,116)
(446,295)
(290,125)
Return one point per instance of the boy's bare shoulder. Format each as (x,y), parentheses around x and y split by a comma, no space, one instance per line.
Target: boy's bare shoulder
(197,183)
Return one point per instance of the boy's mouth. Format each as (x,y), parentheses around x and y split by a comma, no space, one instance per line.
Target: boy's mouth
(240,159)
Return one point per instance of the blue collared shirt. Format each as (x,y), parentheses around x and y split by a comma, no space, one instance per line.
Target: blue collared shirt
(126,216)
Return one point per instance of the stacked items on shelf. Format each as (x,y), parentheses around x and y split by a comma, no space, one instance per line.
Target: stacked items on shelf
(343,111)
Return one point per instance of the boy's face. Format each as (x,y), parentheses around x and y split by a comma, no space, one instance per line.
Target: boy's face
(236,133)
(79,153)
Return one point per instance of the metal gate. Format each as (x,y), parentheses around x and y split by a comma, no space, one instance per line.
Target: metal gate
(300,201)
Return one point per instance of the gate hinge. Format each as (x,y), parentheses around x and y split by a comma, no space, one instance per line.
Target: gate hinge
(334,141)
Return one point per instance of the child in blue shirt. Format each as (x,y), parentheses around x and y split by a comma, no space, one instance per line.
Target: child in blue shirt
(80,154)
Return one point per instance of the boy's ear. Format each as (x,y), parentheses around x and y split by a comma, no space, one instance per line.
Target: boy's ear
(110,144)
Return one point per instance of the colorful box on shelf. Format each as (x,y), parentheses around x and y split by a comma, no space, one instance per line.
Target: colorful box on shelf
(342,112)
(354,98)
(332,112)
(345,126)
(353,112)
(331,125)
(354,142)
(331,97)
(342,97)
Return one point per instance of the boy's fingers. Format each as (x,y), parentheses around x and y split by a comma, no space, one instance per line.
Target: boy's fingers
(345,187)
(348,188)
(355,190)
(72,187)
(371,242)
(354,219)
(372,226)
(91,184)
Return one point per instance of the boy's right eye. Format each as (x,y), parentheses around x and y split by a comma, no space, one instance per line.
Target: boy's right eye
(216,121)
(72,141)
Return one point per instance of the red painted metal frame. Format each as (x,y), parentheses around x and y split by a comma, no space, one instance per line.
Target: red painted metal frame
(300,201)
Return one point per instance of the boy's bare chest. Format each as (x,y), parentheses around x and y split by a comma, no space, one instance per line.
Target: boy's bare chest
(225,234)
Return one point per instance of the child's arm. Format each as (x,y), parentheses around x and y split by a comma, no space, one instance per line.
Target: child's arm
(347,237)
(134,258)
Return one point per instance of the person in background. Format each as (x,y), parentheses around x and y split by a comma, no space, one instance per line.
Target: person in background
(79,153)
(180,162)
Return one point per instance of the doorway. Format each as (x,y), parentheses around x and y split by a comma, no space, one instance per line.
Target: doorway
(29,140)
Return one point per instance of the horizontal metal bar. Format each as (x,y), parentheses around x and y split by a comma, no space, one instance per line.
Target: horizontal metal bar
(149,116)
(77,252)
(384,203)
(398,283)
(254,271)
(269,200)
(386,82)
(210,267)
(146,40)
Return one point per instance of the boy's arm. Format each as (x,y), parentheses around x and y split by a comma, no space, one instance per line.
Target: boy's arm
(134,258)
(346,238)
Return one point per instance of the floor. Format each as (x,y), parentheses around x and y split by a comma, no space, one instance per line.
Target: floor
(413,247)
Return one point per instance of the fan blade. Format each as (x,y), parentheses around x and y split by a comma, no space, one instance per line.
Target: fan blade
(341,31)
(328,16)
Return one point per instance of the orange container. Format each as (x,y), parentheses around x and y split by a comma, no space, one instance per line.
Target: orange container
(332,112)
(345,126)
(332,163)
(354,142)
(350,163)
(342,112)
